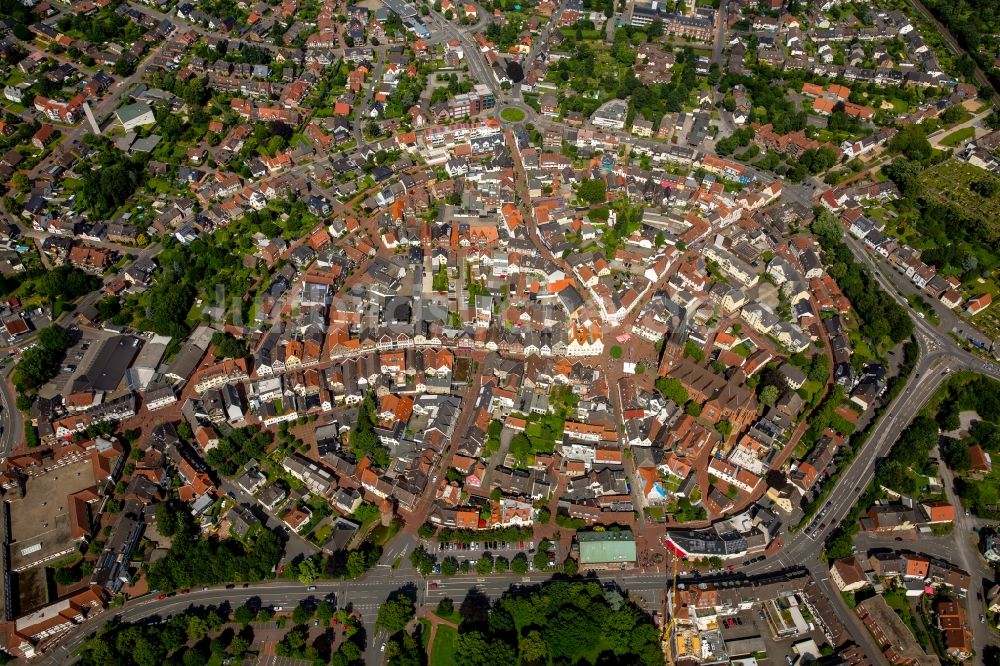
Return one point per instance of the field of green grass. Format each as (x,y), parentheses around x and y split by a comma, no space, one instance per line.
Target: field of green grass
(958,136)
(512,114)
(444,646)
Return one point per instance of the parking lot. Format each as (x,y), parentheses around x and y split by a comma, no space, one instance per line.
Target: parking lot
(502,548)
(471,552)
(818,524)
(749,624)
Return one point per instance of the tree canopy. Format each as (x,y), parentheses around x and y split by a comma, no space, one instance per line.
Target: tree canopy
(564,621)
(881,316)
(196,561)
(41,363)
(592,190)
(109,183)
(396,613)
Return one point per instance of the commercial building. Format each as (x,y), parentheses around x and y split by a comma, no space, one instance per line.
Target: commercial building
(606,549)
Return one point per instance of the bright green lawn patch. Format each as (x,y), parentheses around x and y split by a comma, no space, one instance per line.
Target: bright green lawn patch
(444,646)
(512,114)
(958,136)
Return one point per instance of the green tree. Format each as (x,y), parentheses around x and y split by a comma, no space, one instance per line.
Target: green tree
(533,648)
(592,190)
(672,389)
(55,337)
(693,351)
(308,572)
(325,612)
(956,454)
(396,613)
(301,614)
(912,142)
(520,447)
(197,628)
(570,633)
(484,565)
(357,564)
(769,394)
(421,561)
(445,607)
(238,647)
(519,564)
(475,650)
(541,558)
(67,575)
(226,346)
(244,615)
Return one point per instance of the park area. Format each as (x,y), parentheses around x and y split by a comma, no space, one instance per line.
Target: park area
(444,646)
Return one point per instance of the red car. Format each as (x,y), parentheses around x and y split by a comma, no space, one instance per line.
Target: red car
(185,591)
(434,586)
(161,597)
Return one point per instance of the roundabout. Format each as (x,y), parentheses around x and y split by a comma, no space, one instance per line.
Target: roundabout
(513,114)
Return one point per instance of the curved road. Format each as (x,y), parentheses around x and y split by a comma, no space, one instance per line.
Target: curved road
(11,421)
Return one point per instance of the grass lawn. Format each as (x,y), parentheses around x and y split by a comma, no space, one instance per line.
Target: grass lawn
(454,617)
(381,535)
(654,512)
(897,601)
(899,106)
(512,114)
(444,646)
(570,31)
(958,136)
(323,533)
(811,387)
(425,632)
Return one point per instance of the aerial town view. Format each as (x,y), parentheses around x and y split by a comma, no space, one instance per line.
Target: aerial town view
(500,332)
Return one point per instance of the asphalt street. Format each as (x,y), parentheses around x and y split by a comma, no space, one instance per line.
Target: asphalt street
(363,596)
(11,421)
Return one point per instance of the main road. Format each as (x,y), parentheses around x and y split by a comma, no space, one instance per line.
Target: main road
(11,421)
(940,356)
(363,596)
